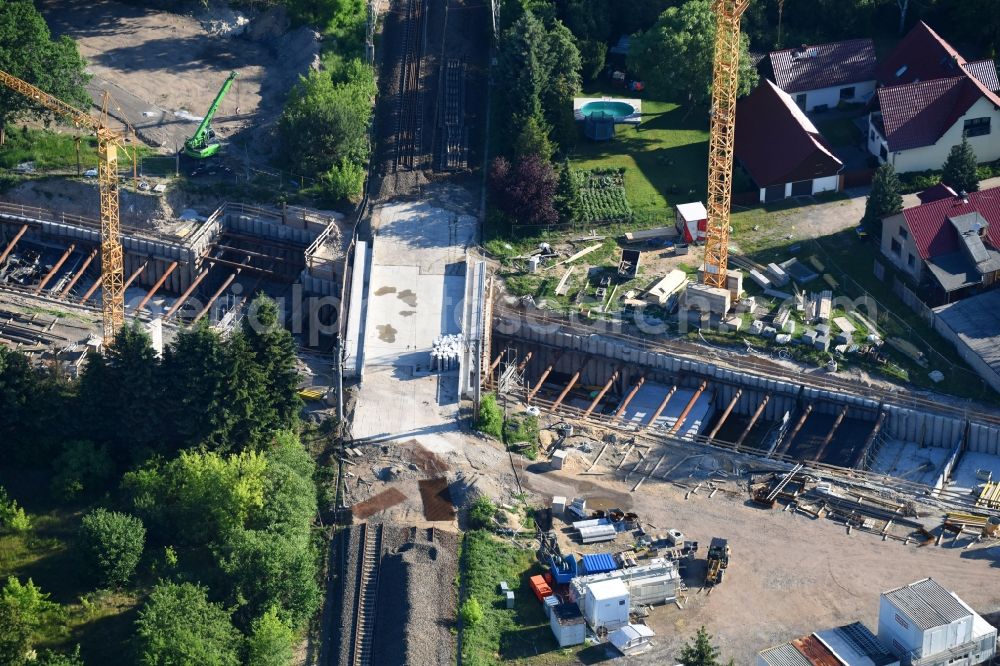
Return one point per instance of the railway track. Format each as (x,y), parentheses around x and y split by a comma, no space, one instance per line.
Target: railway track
(367,595)
(409,117)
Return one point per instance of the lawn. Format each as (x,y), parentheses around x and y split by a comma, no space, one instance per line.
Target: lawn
(100,622)
(840,132)
(520,635)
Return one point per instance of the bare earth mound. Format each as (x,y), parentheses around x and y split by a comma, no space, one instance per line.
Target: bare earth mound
(164,69)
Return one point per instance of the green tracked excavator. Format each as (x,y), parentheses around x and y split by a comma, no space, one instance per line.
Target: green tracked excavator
(203,144)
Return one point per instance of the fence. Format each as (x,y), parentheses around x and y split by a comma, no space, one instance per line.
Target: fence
(891,325)
(912,301)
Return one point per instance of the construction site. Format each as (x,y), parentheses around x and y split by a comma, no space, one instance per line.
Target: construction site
(664,484)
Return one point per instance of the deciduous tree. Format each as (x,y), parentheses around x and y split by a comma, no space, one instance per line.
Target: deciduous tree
(674,56)
(525,192)
(180,626)
(271,641)
(111,544)
(28,51)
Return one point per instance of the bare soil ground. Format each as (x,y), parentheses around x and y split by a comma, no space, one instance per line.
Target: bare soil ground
(164,69)
(789,575)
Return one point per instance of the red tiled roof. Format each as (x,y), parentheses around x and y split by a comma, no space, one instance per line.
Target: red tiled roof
(985,71)
(776,142)
(935,236)
(924,55)
(824,65)
(918,114)
(927,87)
(936,193)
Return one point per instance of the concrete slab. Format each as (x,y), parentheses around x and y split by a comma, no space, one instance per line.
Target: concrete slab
(415,294)
(648,399)
(907,460)
(963,476)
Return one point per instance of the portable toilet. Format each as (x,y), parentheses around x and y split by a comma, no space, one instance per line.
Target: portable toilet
(606,604)
(510,599)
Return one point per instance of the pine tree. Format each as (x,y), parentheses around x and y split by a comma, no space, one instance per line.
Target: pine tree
(701,652)
(959,170)
(117,390)
(885,198)
(196,397)
(252,412)
(568,201)
(274,351)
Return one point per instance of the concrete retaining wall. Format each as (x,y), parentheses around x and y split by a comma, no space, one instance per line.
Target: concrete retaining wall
(983,439)
(923,428)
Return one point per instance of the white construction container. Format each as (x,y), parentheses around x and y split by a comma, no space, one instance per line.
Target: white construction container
(558,505)
(606,604)
(924,623)
(558,459)
(648,585)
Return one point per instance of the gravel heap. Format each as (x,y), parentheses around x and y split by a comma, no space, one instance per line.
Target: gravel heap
(417,603)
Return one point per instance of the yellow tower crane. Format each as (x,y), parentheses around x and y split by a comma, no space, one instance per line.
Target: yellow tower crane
(108,142)
(725,70)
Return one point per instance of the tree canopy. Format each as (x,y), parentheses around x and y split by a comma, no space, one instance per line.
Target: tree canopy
(179,626)
(674,56)
(960,169)
(324,125)
(525,191)
(111,544)
(885,198)
(28,51)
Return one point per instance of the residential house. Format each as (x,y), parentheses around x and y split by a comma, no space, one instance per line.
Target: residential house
(849,645)
(825,75)
(928,98)
(781,149)
(949,247)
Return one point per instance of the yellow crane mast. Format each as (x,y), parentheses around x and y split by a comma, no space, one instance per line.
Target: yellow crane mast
(725,70)
(108,142)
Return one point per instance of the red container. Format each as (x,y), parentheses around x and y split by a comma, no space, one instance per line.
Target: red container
(540,587)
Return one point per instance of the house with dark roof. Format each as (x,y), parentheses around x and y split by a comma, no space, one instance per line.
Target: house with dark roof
(825,75)
(929,96)
(781,149)
(949,247)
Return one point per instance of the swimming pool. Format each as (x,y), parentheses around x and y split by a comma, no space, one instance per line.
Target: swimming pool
(618,110)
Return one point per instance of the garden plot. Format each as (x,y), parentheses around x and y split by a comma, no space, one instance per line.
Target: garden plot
(602,194)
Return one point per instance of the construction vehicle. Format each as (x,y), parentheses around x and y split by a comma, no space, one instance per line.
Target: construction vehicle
(722,138)
(108,142)
(202,144)
(718,561)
